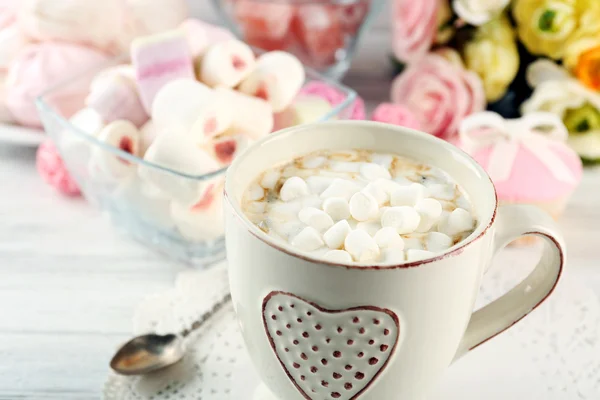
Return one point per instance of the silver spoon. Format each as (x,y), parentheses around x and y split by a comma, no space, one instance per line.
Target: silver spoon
(151,352)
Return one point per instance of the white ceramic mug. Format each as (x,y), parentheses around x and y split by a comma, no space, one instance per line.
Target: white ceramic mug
(318,330)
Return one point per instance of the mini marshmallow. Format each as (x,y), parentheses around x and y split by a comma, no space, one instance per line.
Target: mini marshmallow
(318,184)
(277,78)
(385,160)
(336,235)
(293,188)
(363,206)
(250,115)
(123,135)
(371,227)
(459,220)
(270,179)
(338,256)
(407,195)
(337,208)
(388,237)
(378,192)
(226,64)
(430,211)
(340,188)
(255,192)
(224,148)
(438,242)
(387,185)
(316,218)
(309,239)
(179,153)
(313,162)
(371,172)
(413,243)
(392,255)
(345,166)
(361,246)
(158,60)
(191,107)
(418,255)
(404,219)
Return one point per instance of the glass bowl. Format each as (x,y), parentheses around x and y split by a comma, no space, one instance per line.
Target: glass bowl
(323,34)
(149,215)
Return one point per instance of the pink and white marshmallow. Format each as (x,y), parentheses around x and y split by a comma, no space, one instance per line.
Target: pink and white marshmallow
(158,60)
(123,135)
(277,78)
(250,115)
(226,64)
(203,221)
(226,147)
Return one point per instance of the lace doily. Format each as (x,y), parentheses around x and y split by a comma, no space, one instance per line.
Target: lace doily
(554,354)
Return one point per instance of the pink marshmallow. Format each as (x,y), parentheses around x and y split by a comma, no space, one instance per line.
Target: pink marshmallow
(158,60)
(395,114)
(41,65)
(52,170)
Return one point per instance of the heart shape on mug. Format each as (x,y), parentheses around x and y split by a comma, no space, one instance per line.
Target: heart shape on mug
(329,354)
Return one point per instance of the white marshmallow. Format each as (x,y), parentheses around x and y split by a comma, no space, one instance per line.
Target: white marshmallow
(363,206)
(392,255)
(313,162)
(340,188)
(224,148)
(459,220)
(270,179)
(371,227)
(387,185)
(361,246)
(123,135)
(226,63)
(430,211)
(441,191)
(293,188)
(371,171)
(345,166)
(438,242)
(179,153)
(385,160)
(413,243)
(88,121)
(388,237)
(201,223)
(309,239)
(407,195)
(250,115)
(338,256)
(404,219)
(316,218)
(318,184)
(337,208)
(378,192)
(277,78)
(255,192)
(336,235)
(417,255)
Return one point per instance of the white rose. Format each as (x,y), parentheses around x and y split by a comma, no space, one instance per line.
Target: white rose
(478,12)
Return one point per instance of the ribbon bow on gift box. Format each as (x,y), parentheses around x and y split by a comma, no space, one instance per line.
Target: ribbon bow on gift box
(535,132)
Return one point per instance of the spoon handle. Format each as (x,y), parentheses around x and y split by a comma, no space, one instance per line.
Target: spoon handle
(207,315)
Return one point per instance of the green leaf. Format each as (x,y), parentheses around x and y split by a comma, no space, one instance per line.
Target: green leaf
(546,21)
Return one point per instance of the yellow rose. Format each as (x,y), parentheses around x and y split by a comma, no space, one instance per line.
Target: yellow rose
(546,26)
(585,38)
(494,56)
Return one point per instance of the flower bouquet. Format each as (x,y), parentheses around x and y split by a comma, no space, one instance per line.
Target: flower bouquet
(460,57)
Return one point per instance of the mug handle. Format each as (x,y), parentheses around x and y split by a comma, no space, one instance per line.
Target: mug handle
(514,221)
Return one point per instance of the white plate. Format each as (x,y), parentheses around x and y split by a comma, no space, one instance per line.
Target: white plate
(20,135)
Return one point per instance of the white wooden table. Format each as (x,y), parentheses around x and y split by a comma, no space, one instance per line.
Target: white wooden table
(69,282)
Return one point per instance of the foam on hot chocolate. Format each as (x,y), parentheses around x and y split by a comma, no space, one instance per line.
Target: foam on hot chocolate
(360,206)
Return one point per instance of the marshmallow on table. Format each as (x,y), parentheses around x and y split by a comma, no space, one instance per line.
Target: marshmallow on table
(337,208)
(361,246)
(338,256)
(124,136)
(388,237)
(438,242)
(202,222)
(293,188)
(309,239)
(250,115)
(341,188)
(178,152)
(159,59)
(404,219)
(191,107)
(12,40)
(115,98)
(335,236)
(407,195)
(430,211)
(363,206)
(316,218)
(276,78)
(226,64)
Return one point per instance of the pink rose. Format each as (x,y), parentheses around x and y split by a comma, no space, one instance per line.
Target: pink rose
(414,26)
(395,114)
(51,168)
(335,97)
(439,93)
